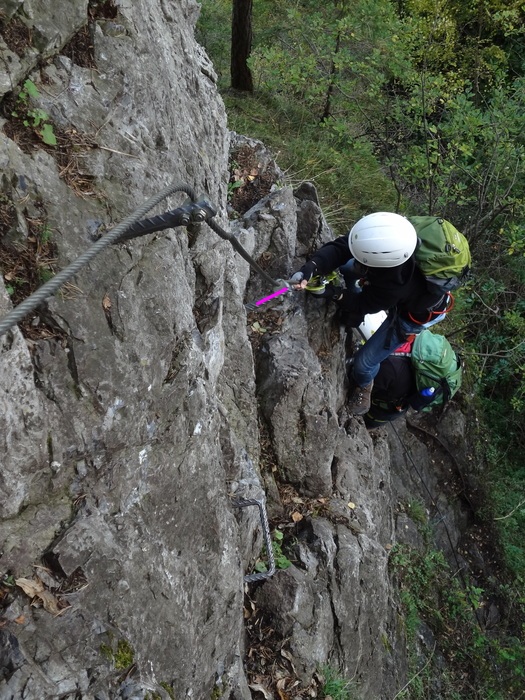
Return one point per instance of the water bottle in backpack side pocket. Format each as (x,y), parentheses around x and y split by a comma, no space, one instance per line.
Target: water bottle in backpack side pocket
(423,398)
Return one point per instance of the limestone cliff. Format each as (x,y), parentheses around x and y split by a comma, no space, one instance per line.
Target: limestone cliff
(135,403)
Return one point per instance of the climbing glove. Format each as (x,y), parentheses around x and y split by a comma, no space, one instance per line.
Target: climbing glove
(305,273)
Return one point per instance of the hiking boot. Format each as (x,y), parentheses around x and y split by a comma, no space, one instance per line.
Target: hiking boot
(359,401)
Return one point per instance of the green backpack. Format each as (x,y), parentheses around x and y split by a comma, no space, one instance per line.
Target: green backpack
(443,254)
(436,365)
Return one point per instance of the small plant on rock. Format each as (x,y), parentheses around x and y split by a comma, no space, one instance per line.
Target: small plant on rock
(34,117)
(281,560)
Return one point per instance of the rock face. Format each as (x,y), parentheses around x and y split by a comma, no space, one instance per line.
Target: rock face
(139,400)
(120,424)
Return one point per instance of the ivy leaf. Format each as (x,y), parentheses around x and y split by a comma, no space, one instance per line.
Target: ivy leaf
(258,328)
(31,88)
(48,135)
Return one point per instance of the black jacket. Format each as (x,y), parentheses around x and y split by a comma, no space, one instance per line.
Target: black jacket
(394,388)
(387,288)
(395,383)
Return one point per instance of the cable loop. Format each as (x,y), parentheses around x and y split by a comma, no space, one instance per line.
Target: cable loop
(263,575)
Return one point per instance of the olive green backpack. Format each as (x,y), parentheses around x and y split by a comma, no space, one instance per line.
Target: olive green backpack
(443,253)
(436,365)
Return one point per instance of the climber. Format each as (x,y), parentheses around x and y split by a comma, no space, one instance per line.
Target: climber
(394,389)
(378,264)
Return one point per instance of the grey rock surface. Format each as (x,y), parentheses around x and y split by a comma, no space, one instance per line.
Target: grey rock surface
(110,424)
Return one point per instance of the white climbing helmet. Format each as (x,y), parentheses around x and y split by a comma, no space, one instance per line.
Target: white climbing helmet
(382,239)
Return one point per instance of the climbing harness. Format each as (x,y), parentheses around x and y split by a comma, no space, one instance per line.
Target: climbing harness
(242,503)
(190,214)
(433,315)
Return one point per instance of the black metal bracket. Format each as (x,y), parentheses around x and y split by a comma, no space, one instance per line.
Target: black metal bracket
(186,215)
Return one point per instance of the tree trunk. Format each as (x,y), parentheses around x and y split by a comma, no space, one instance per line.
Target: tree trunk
(241,76)
(331,83)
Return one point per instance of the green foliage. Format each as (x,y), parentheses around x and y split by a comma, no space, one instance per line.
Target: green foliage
(493,313)
(46,234)
(45,274)
(416,511)
(325,54)
(29,90)
(335,686)
(281,560)
(106,651)
(290,101)
(124,655)
(168,688)
(232,186)
(429,592)
(350,180)
(34,117)
(217,692)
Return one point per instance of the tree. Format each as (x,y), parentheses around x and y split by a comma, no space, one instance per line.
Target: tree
(241,46)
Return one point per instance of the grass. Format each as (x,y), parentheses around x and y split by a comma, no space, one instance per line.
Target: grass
(350,181)
(416,510)
(335,686)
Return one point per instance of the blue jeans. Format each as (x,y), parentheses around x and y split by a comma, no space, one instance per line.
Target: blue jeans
(378,347)
(389,336)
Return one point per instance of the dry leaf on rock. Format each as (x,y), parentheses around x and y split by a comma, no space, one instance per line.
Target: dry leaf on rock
(296,517)
(30,586)
(35,589)
(49,602)
(261,689)
(288,656)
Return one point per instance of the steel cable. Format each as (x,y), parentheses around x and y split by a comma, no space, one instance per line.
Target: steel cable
(263,575)
(50,287)
(238,247)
